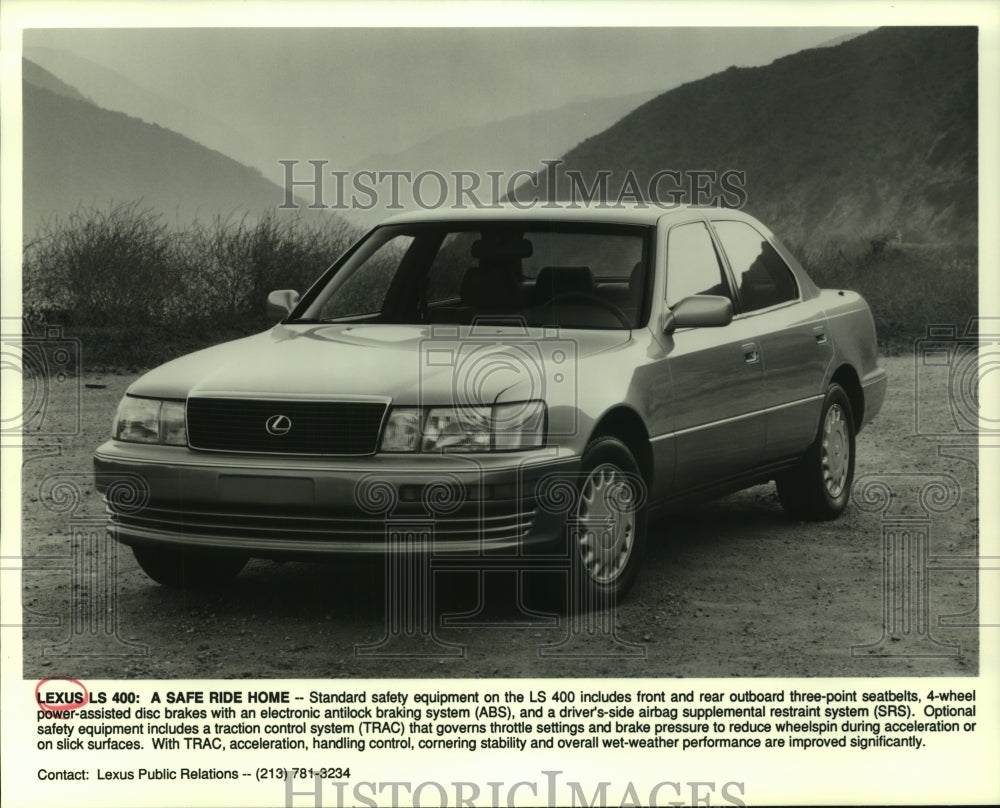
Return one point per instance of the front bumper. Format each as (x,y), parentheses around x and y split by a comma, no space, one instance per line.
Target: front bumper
(273,506)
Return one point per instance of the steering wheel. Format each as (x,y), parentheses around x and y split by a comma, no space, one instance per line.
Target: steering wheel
(591,300)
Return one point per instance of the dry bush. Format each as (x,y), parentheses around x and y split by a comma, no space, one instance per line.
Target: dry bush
(908,286)
(136,292)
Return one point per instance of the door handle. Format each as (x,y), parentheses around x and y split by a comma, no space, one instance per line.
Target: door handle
(750,354)
(820,333)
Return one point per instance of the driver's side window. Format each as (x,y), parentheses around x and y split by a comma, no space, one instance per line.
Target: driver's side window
(693,266)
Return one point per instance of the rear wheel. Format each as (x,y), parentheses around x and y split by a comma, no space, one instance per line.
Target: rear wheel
(820,485)
(182,567)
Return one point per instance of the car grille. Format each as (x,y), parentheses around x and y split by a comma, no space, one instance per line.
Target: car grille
(314,427)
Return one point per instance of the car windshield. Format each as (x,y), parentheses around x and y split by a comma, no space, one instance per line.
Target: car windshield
(538,274)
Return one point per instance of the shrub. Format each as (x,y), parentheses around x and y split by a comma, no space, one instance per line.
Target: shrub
(233,266)
(908,286)
(116,268)
(137,293)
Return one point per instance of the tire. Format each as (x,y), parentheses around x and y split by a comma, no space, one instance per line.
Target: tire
(180,567)
(607,525)
(819,486)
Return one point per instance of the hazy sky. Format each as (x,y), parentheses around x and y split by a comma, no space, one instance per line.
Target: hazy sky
(342,94)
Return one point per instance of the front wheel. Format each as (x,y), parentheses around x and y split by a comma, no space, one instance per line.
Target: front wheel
(608,525)
(182,567)
(820,484)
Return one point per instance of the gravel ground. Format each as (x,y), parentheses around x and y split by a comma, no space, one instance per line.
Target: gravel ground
(729,588)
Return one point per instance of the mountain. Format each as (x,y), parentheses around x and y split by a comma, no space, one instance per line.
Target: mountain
(113,91)
(874,136)
(837,40)
(78,154)
(505,145)
(38,76)
(509,145)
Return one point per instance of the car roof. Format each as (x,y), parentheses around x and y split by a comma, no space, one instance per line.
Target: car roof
(648,214)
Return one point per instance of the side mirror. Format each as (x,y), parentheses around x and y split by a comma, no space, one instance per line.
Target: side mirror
(281,302)
(699,311)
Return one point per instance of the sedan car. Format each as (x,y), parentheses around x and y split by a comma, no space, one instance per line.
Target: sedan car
(516,384)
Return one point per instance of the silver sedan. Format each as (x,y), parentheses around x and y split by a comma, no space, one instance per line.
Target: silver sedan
(517,384)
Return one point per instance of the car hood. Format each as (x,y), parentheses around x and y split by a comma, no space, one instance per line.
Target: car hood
(406,364)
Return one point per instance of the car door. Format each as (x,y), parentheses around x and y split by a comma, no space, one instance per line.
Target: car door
(716,376)
(791,332)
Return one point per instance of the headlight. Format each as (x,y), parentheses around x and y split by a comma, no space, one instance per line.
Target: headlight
(504,427)
(150,420)
(464,429)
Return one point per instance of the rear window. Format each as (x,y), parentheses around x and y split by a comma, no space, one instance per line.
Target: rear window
(762,277)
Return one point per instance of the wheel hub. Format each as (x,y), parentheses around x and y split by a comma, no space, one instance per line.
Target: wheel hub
(605,521)
(836,451)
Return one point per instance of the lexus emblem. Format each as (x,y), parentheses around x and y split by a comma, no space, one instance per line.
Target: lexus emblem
(278,425)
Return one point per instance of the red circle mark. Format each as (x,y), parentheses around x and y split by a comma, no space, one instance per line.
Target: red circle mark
(58,708)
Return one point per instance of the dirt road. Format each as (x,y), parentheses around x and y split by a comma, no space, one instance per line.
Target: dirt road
(730,588)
